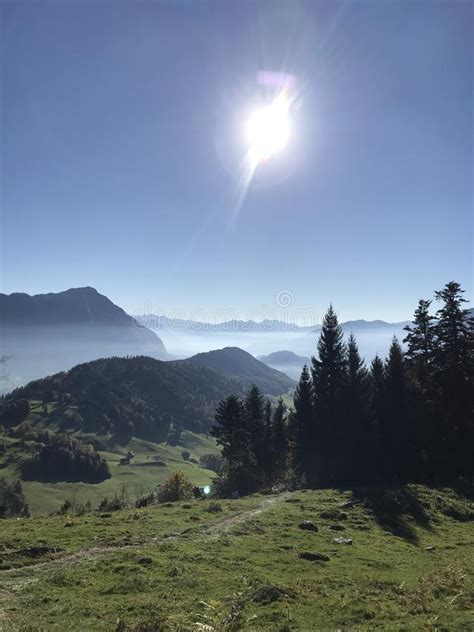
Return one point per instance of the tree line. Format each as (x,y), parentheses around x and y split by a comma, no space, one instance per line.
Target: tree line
(409,417)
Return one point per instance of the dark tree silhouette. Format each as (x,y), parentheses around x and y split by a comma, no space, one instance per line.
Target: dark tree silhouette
(231,431)
(454,376)
(329,377)
(357,438)
(280,441)
(254,405)
(420,341)
(303,439)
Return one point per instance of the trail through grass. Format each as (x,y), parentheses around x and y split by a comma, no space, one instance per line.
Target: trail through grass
(241,565)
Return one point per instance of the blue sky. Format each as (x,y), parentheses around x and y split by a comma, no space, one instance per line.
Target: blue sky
(122,128)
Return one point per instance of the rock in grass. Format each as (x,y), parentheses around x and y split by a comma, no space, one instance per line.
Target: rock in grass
(307,525)
(38,551)
(337,527)
(313,557)
(342,540)
(145,561)
(348,504)
(269,594)
(333,514)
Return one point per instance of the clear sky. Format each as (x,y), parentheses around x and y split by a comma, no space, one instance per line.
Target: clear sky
(122,136)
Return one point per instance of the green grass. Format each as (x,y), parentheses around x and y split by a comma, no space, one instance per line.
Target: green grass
(136,479)
(409,566)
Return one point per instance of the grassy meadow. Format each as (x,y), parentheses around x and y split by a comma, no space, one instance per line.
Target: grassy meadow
(267,562)
(152,464)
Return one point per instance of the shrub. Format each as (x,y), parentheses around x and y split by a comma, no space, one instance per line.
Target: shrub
(213,507)
(211,462)
(176,487)
(186,455)
(12,500)
(111,504)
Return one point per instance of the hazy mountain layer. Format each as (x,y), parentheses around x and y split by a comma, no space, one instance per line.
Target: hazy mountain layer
(47,333)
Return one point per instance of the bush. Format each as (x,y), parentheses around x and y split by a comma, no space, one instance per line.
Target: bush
(213,507)
(211,462)
(111,504)
(12,500)
(186,455)
(176,487)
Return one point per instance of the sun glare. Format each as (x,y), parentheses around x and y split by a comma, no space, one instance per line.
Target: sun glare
(268,129)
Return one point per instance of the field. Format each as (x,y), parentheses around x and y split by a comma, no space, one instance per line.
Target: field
(267,562)
(152,464)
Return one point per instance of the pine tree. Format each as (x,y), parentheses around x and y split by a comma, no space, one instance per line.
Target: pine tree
(268,465)
(420,340)
(254,405)
(280,440)
(454,378)
(329,377)
(395,431)
(232,433)
(357,439)
(301,427)
(419,357)
(377,409)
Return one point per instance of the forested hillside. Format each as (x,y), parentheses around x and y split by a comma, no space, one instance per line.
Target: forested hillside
(127,397)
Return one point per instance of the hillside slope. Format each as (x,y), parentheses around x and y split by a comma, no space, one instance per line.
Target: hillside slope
(143,394)
(248,565)
(240,365)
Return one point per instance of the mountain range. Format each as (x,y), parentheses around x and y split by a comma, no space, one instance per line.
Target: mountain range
(153,321)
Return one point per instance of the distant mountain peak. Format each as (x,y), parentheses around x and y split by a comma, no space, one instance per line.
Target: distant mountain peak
(239,364)
(64,328)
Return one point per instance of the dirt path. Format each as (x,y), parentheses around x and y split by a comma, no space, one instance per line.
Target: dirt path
(13,580)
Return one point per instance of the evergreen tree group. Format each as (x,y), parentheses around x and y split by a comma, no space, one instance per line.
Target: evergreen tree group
(408,418)
(254,439)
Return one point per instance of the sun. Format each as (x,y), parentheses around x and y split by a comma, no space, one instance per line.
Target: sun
(268,129)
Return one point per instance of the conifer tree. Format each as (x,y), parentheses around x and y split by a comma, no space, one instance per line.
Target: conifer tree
(268,466)
(254,405)
(454,377)
(357,438)
(329,377)
(395,431)
(377,407)
(280,440)
(301,427)
(420,339)
(232,433)
(419,358)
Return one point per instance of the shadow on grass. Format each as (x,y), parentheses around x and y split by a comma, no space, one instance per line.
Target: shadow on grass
(397,510)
